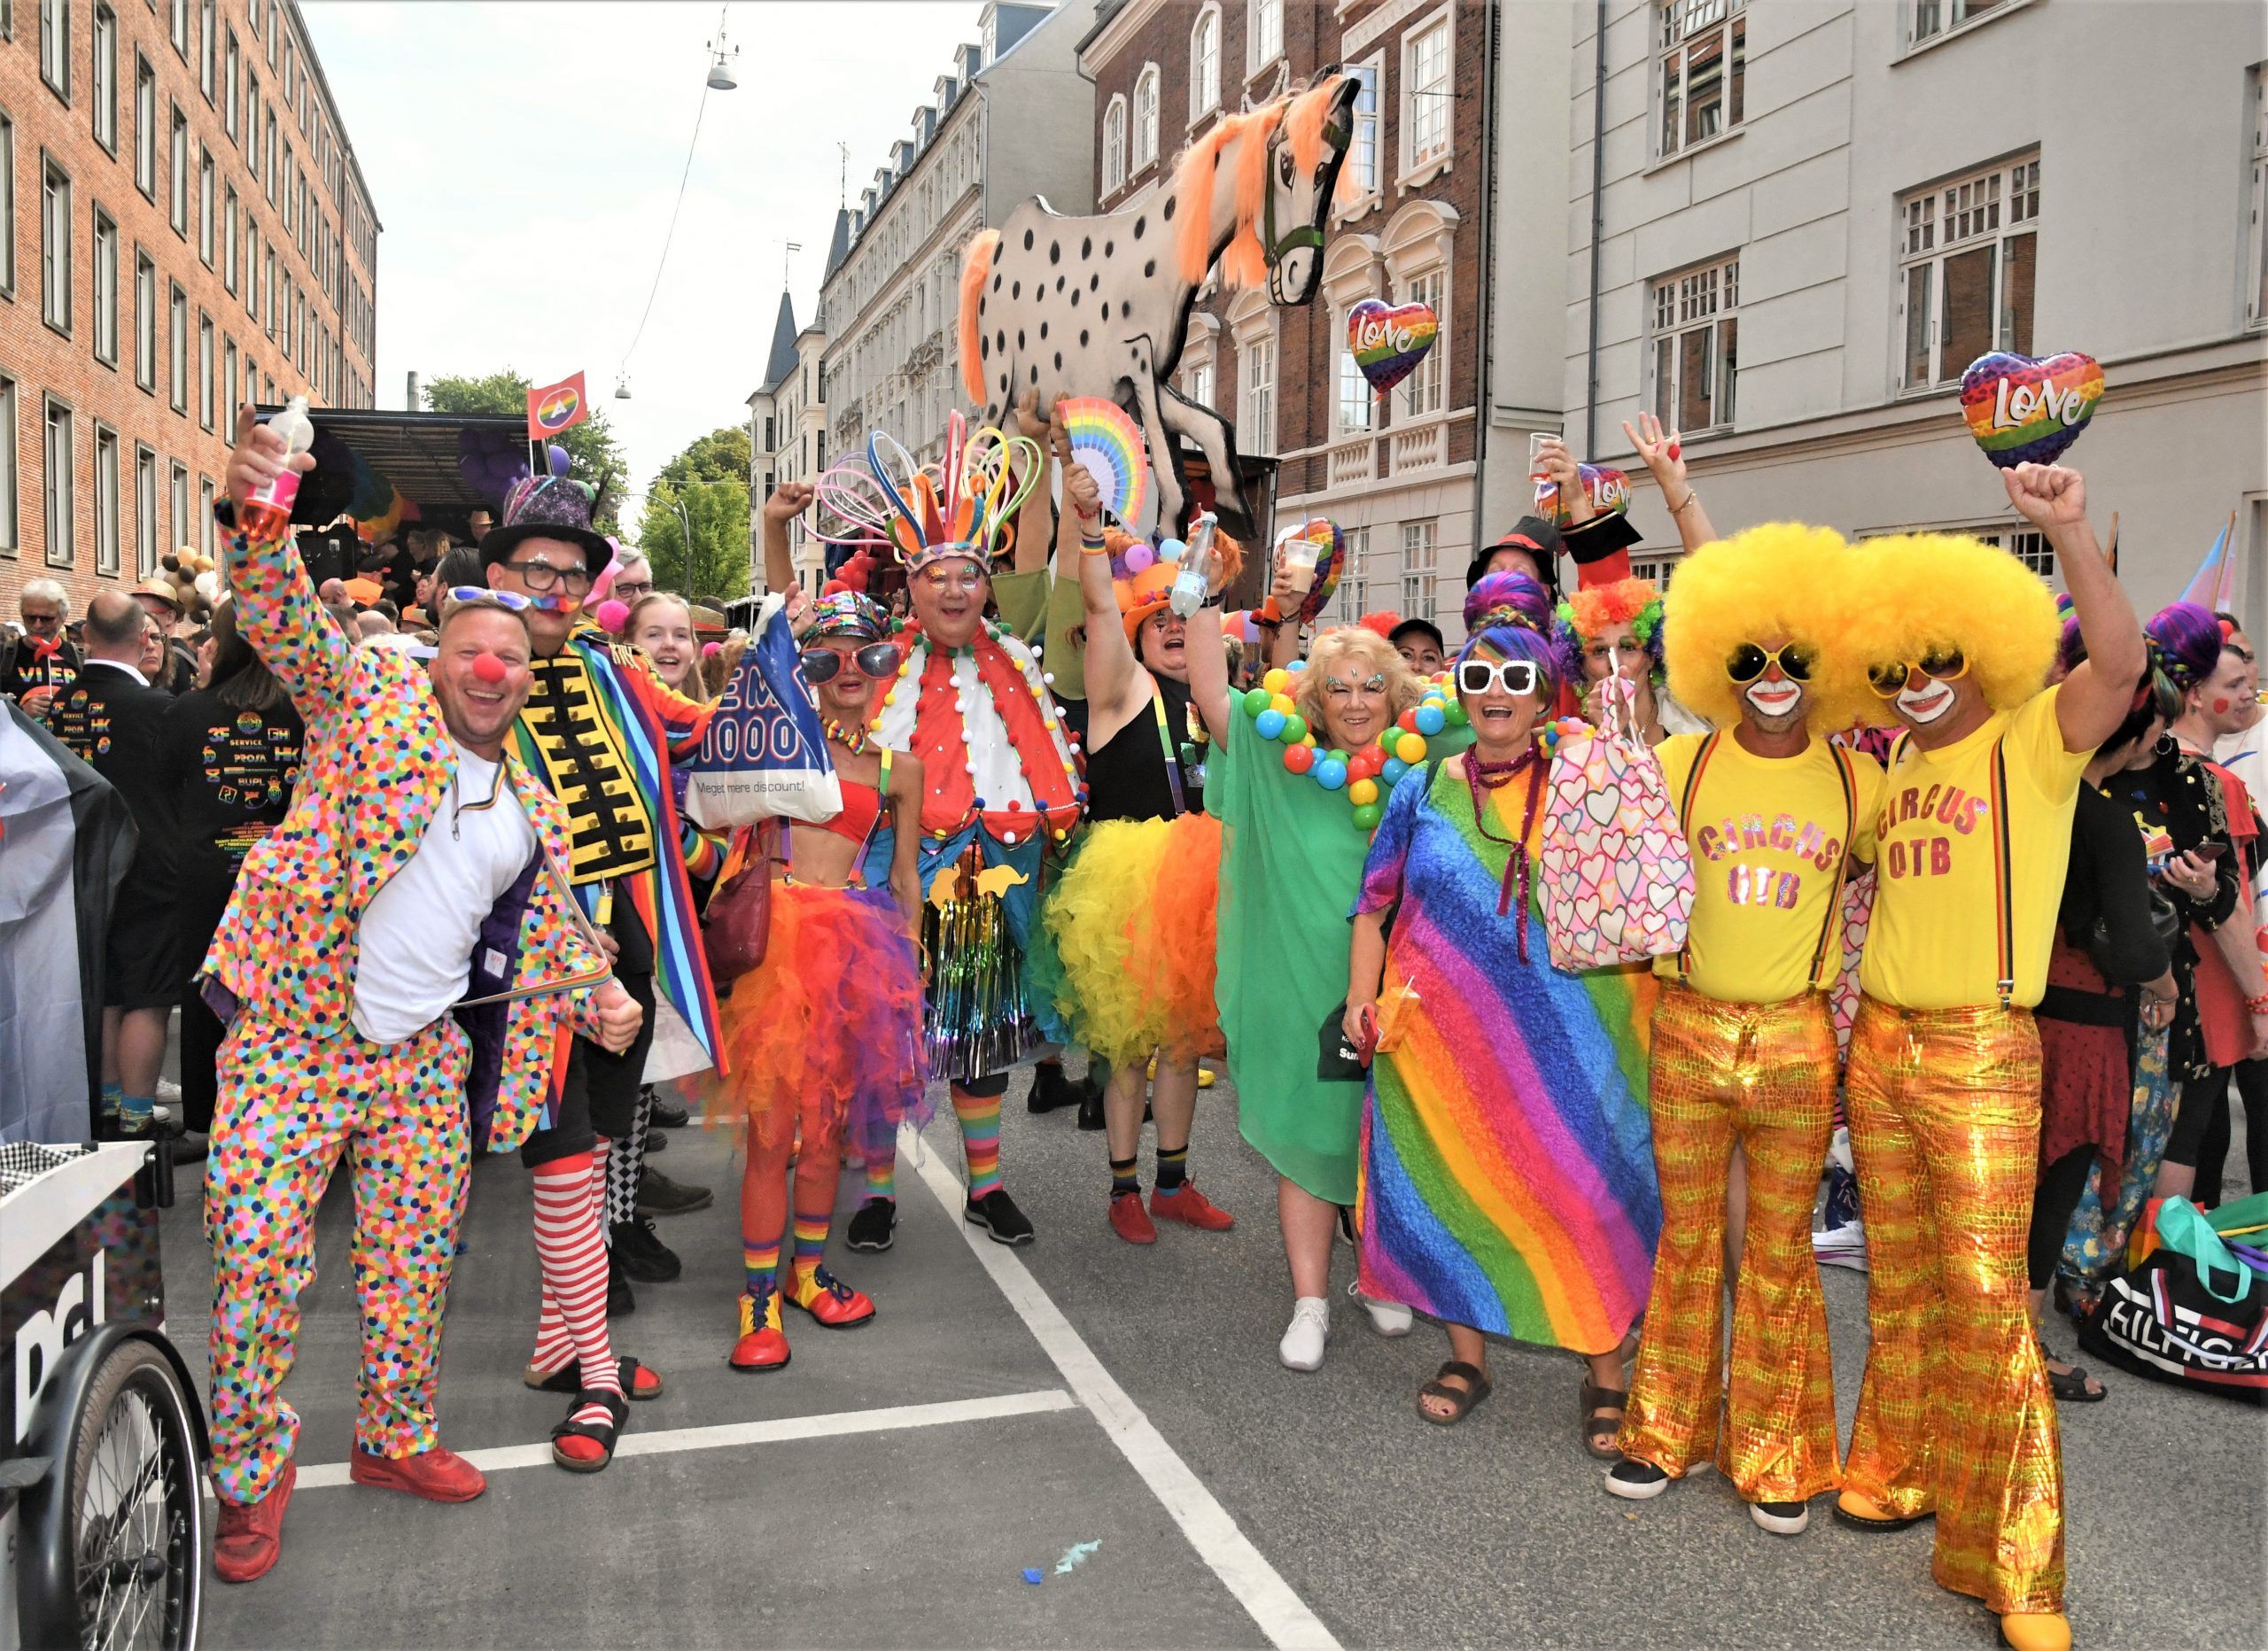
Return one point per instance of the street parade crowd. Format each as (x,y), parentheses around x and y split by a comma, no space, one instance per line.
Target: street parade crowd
(1533,959)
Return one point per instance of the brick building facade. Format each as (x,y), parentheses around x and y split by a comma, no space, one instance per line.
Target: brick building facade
(185,228)
(1398,473)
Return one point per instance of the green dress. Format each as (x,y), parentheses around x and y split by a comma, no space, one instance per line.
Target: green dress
(1291,866)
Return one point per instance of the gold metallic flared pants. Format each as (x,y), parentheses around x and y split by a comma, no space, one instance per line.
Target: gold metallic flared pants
(1762,1075)
(1954,1415)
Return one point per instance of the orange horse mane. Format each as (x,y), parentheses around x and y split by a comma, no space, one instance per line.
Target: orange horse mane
(1245,262)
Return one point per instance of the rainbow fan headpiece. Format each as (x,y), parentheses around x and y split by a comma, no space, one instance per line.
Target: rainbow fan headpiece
(957,508)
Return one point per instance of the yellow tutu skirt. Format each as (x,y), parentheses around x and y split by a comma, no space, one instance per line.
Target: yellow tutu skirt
(1133,921)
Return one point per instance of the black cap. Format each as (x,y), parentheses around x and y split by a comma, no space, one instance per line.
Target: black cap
(1531,533)
(1431,629)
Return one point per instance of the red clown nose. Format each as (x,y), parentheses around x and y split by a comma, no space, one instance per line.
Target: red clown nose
(490,669)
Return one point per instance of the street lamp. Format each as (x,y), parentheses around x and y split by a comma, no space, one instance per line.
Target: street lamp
(686,522)
(720,77)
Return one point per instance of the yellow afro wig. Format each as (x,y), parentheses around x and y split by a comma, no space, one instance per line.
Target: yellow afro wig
(1917,590)
(1782,579)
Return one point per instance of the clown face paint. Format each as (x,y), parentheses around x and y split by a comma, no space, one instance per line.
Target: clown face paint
(1926,704)
(1775,701)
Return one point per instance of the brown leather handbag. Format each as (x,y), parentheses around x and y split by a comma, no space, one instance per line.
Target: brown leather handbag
(737,925)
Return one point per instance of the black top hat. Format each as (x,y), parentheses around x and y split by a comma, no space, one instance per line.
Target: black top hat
(547,506)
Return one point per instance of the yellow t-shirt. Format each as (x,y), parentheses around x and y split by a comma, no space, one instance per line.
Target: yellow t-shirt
(1768,835)
(1934,940)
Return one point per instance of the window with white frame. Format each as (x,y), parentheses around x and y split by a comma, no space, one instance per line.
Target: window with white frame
(1197,380)
(105,499)
(1256,390)
(1427,99)
(177,496)
(205,514)
(1146,118)
(1933,17)
(62,511)
(1422,391)
(1420,551)
(2255,302)
(1263,35)
(146,513)
(55,45)
(1654,566)
(1357,404)
(228,216)
(1205,64)
(1114,146)
(105,78)
(1966,269)
(177,342)
(1697,347)
(1362,151)
(105,288)
(10,491)
(207,49)
(177,156)
(145,127)
(207,386)
(205,238)
(55,247)
(146,319)
(1701,64)
(7,205)
(230,393)
(230,85)
(1355,577)
(181,28)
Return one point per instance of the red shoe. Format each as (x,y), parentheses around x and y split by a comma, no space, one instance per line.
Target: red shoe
(251,1537)
(437,1474)
(762,1344)
(828,1299)
(1130,1221)
(1185,1204)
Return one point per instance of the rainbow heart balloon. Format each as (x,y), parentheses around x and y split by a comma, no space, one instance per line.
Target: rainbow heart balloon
(1608,488)
(1389,340)
(2024,411)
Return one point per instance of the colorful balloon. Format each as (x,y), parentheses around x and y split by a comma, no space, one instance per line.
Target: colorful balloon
(1389,340)
(2024,411)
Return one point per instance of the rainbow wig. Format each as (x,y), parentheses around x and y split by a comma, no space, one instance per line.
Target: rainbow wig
(1510,615)
(1600,610)
(1782,579)
(1912,592)
(2186,638)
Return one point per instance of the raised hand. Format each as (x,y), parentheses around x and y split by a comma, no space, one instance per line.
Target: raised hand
(789,500)
(259,457)
(2048,496)
(1662,451)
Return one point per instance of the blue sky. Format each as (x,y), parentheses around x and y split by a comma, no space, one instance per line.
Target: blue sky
(524,158)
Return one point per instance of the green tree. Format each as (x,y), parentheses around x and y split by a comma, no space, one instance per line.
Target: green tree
(722,456)
(718,568)
(592,453)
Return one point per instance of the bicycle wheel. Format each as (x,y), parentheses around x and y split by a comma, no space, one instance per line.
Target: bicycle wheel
(136,1519)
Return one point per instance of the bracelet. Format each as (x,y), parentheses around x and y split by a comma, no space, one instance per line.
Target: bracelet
(1093,546)
(1679,508)
(2257,1005)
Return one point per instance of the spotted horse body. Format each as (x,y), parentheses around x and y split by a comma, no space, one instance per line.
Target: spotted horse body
(1099,305)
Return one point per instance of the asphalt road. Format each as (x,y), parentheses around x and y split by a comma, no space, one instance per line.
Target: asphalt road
(893,1484)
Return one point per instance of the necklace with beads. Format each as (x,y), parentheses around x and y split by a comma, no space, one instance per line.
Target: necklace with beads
(854,740)
(1366,774)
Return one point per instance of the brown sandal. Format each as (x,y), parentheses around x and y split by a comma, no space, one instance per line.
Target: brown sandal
(1478,1388)
(1599,1433)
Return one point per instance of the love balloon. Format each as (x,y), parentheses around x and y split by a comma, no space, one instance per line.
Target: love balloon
(1389,340)
(2024,411)
(1608,488)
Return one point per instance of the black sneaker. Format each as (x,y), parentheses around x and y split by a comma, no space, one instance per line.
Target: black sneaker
(656,1141)
(619,1301)
(658,1195)
(1781,1519)
(996,1213)
(668,1115)
(1050,1089)
(643,1255)
(1636,1480)
(874,1226)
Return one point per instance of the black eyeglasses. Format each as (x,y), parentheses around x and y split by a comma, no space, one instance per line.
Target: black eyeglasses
(1749,661)
(541,576)
(1944,664)
(876,659)
(1478,676)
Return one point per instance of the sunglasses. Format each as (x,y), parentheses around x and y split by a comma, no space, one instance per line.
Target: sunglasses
(1514,676)
(1749,661)
(1941,664)
(876,659)
(512,599)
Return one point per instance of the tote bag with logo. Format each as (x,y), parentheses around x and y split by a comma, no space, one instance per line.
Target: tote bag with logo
(764,754)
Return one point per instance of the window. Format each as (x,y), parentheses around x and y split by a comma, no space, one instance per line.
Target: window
(251,127)
(1114,146)
(177,341)
(1197,380)
(1354,581)
(1696,346)
(7,206)
(62,504)
(1704,46)
(106,500)
(55,247)
(178,156)
(1966,280)
(2255,303)
(1263,35)
(1256,367)
(229,214)
(11,535)
(146,513)
(1205,64)
(1356,401)
(207,49)
(205,514)
(1420,551)
(251,264)
(105,78)
(106,287)
(146,319)
(181,28)
(268,157)
(1145,119)
(230,85)
(1654,568)
(145,127)
(206,386)
(1428,101)
(205,207)
(55,45)
(1421,392)
(1363,156)
(178,495)
(1933,17)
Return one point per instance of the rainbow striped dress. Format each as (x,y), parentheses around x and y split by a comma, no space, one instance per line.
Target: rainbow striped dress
(1507,1170)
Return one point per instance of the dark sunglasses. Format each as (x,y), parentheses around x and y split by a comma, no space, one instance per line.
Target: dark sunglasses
(1478,676)
(1943,664)
(876,659)
(512,599)
(1749,661)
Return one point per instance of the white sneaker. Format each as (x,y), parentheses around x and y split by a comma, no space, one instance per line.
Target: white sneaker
(1387,1318)
(1301,1348)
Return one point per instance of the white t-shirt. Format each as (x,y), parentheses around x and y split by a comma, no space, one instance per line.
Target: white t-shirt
(414,955)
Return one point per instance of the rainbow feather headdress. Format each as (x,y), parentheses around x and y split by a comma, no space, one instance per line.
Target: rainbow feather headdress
(958,508)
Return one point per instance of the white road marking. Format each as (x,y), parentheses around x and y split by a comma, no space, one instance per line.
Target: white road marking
(779,1431)
(1280,1613)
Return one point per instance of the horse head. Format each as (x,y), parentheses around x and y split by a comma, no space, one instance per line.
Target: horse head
(1305,152)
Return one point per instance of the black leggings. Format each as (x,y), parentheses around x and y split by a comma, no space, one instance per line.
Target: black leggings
(2053,1202)
(2201,1131)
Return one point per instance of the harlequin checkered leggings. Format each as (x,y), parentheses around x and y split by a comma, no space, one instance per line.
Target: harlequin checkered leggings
(290,1107)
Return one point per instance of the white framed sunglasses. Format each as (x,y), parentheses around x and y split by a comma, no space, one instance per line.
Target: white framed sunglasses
(1514,676)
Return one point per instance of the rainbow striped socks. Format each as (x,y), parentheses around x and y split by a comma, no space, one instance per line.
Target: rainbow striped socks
(980,1139)
(762,1264)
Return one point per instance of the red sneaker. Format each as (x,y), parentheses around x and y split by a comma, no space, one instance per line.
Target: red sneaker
(251,1537)
(828,1299)
(1130,1221)
(1185,1204)
(437,1474)
(762,1344)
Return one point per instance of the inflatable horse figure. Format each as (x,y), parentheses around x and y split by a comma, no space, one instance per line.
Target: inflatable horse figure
(1099,305)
